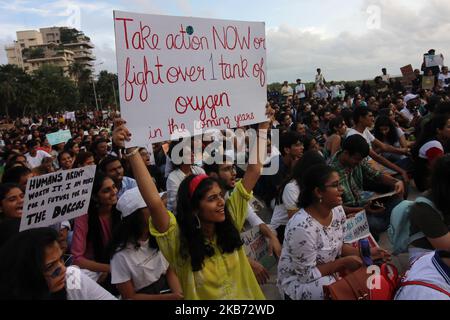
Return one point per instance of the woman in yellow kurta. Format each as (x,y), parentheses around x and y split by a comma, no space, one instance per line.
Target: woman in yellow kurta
(202,243)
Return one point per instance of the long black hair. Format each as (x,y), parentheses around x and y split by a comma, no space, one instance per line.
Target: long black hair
(94,234)
(129,231)
(429,132)
(315,177)
(440,184)
(310,158)
(22,264)
(193,242)
(392,136)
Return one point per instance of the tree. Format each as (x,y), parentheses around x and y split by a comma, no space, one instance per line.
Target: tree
(106,86)
(76,70)
(15,90)
(55,92)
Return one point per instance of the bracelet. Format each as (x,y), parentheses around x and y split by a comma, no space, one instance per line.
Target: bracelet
(132,153)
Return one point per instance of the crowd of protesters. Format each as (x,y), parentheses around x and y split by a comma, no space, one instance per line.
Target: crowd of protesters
(159,229)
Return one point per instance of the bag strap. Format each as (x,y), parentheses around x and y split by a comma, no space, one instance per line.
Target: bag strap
(420,235)
(424,284)
(430,203)
(360,290)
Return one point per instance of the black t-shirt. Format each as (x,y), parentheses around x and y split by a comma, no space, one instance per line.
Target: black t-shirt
(427,220)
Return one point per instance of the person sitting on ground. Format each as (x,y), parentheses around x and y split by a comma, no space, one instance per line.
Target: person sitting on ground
(183,165)
(314,249)
(432,220)
(93,231)
(65,160)
(84,159)
(31,268)
(203,240)
(431,145)
(364,120)
(337,131)
(287,200)
(138,268)
(34,156)
(291,148)
(355,173)
(225,173)
(427,279)
(113,168)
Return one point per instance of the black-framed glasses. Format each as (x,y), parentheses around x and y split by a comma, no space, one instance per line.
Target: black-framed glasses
(65,260)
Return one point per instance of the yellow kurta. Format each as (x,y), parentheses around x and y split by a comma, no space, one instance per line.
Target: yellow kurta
(224,276)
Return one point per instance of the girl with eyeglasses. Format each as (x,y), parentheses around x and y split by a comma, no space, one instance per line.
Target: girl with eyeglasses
(31,268)
(314,249)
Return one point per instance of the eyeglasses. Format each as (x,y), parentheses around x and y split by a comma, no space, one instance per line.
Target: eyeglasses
(65,260)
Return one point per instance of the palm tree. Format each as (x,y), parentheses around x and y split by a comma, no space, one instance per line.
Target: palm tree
(76,70)
(8,95)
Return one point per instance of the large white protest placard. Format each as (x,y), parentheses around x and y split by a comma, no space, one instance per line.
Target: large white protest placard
(434,60)
(356,228)
(180,74)
(57,197)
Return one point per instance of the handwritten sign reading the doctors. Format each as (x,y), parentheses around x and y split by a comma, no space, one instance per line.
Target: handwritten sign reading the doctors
(57,197)
(180,74)
(356,228)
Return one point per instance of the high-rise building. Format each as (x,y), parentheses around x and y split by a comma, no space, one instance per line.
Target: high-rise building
(60,46)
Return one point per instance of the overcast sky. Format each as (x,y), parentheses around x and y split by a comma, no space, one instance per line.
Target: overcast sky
(348,39)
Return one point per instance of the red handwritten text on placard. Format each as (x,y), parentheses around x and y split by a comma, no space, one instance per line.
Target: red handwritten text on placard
(202,103)
(181,41)
(141,78)
(140,39)
(229,37)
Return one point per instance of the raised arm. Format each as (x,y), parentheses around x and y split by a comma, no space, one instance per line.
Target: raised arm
(257,154)
(148,189)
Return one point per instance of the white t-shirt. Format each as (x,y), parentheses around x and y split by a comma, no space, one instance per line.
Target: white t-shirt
(289,202)
(143,266)
(80,287)
(430,269)
(300,90)
(366,135)
(407,114)
(445,79)
(37,160)
(173,183)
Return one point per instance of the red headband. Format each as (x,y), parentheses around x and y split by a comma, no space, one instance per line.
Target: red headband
(195,182)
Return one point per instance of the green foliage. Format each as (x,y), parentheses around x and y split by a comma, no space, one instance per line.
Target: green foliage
(69,35)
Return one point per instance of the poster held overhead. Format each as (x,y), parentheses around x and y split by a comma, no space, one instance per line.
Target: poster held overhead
(57,197)
(178,75)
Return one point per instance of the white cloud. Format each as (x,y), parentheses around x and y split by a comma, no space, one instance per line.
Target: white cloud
(406,33)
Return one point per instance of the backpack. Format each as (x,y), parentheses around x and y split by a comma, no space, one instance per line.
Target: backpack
(400,225)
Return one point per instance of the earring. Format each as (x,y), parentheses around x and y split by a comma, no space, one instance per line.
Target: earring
(320,200)
(199,225)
